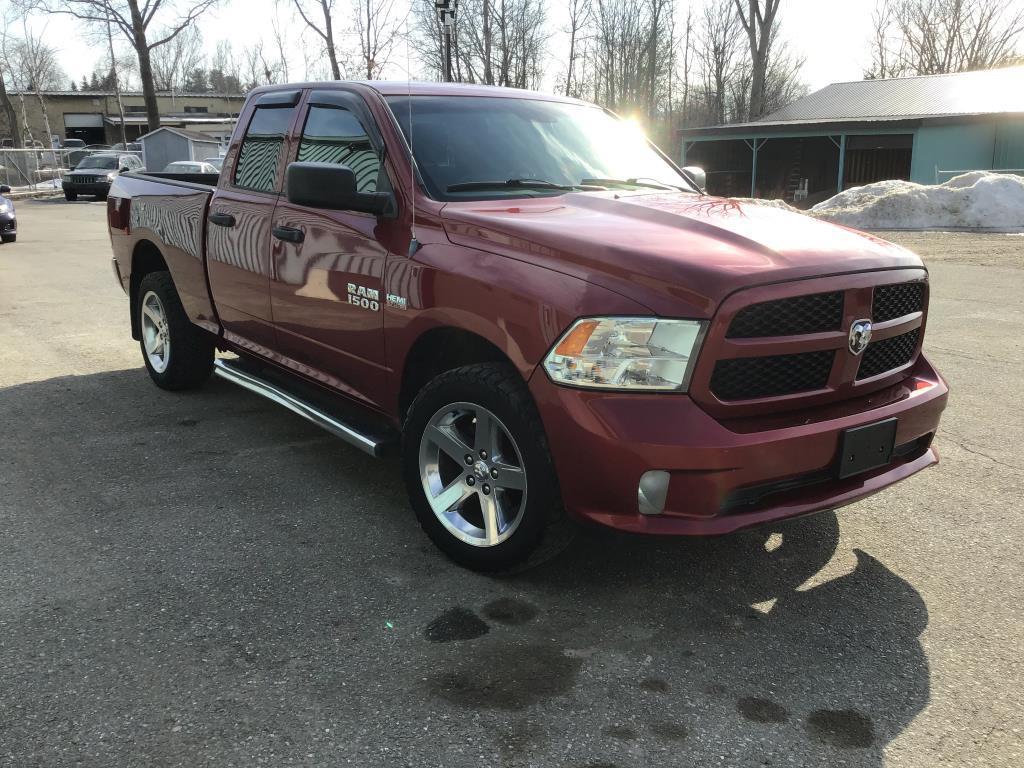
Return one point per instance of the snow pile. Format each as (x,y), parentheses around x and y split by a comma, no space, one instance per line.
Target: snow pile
(782,205)
(975,200)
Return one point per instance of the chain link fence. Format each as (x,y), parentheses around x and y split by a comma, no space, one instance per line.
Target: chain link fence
(38,169)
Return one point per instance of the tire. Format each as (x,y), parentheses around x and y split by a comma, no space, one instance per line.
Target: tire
(8,238)
(177,354)
(451,406)
(71,196)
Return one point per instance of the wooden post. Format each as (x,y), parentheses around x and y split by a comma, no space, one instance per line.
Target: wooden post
(842,162)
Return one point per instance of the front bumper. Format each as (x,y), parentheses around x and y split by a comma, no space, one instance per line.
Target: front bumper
(724,475)
(100,189)
(8,223)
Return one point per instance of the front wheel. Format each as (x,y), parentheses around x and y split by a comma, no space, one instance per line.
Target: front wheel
(477,467)
(8,238)
(71,196)
(178,355)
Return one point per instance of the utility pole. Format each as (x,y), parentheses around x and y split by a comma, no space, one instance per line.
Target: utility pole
(446,10)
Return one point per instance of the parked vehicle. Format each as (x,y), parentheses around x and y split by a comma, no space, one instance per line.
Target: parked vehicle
(216,162)
(190,166)
(75,156)
(73,143)
(8,219)
(95,173)
(543,314)
(131,146)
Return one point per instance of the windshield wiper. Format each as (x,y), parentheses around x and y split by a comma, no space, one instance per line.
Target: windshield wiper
(467,186)
(629,183)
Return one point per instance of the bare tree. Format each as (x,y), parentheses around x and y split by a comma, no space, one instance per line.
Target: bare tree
(759,24)
(718,54)
(171,63)
(632,54)
(488,43)
(378,30)
(117,81)
(225,70)
(930,37)
(134,19)
(324,28)
(498,42)
(31,65)
(579,17)
(687,58)
(887,50)
(7,76)
(280,40)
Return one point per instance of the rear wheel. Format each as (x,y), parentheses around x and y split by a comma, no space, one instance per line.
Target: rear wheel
(71,196)
(477,467)
(177,354)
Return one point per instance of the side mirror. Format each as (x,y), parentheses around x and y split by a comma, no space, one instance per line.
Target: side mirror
(124,169)
(327,185)
(696,173)
(4,189)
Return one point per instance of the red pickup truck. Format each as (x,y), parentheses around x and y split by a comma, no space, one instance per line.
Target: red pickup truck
(542,312)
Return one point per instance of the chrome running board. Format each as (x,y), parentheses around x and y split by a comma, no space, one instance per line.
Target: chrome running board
(231,370)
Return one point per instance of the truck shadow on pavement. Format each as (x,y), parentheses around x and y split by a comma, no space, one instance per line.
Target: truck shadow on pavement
(203,576)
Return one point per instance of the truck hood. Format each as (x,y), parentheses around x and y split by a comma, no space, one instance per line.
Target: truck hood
(676,253)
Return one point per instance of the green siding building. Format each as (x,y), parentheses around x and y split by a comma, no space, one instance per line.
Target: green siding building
(925,129)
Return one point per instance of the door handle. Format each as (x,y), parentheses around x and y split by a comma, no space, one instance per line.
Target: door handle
(289,234)
(221,219)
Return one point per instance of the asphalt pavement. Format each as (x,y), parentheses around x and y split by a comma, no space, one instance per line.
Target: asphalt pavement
(204,579)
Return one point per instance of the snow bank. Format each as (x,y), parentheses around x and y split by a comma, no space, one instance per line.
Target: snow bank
(782,205)
(975,200)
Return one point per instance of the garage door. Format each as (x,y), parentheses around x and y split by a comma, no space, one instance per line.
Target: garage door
(82,120)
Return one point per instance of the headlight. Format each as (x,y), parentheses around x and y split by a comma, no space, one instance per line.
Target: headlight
(111,176)
(635,353)
(66,177)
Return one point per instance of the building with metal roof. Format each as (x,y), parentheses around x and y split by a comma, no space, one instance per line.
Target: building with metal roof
(925,129)
(95,117)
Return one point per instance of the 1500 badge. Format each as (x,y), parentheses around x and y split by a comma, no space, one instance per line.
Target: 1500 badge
(365,298)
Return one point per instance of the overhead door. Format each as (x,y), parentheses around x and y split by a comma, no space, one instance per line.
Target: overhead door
(83,120)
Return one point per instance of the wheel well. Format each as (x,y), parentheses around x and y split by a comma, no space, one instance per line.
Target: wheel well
(146,258)
(439,350)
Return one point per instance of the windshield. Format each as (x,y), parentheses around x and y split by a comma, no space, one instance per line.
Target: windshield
(521,144)
(105,162)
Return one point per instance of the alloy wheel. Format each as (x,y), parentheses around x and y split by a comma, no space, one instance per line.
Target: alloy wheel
(473,474)
(156,336)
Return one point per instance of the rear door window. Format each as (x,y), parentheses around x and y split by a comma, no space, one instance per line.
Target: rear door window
(335,135)
(260,154)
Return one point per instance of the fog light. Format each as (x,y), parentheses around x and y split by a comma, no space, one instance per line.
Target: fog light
(652,491)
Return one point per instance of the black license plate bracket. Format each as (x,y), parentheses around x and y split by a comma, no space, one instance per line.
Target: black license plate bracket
(862,449)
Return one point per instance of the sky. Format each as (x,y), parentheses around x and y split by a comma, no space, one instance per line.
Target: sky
(832,35)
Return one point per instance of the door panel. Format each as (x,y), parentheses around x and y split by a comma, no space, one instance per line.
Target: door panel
(239,239)
(327,290)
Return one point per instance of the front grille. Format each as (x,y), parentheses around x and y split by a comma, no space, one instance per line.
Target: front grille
(87,179)
(885,355)
(814,313)
(892,301)
(745,378)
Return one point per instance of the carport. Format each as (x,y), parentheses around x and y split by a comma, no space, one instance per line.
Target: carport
(799,167)
(924,129)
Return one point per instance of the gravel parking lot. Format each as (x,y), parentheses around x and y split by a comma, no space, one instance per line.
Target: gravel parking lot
(207,580)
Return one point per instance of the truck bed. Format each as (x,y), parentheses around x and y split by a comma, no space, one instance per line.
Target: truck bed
(164,216)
